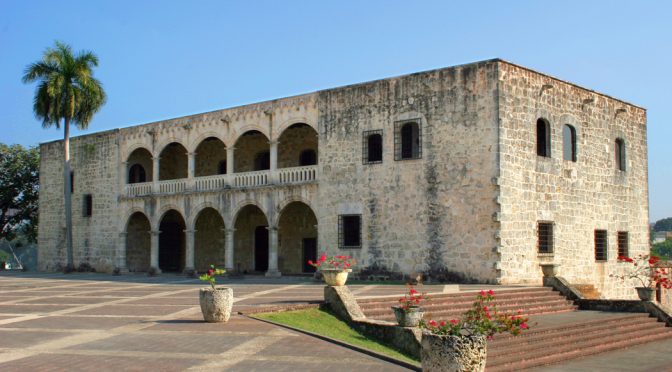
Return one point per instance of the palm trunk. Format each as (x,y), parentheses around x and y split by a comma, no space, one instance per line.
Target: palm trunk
(67,193)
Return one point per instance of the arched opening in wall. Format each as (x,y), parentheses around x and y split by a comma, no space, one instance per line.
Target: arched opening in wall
(173,162)
(138,242)
(374,147)
(210,154)
(543,138)
(251,240)
(297,146)
(569,143)
(208,240)
(172,242)
(250,149)
(620,154)
(408,140)
(297,238)
(139,163)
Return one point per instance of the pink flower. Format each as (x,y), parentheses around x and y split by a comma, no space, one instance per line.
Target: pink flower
(491,292)
(523,326)
(453,322)
(443,323)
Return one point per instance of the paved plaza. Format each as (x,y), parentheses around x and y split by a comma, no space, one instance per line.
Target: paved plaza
(84,322)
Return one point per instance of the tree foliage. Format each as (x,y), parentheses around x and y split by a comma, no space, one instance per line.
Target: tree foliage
(663,225)
(19,184)
(663,249)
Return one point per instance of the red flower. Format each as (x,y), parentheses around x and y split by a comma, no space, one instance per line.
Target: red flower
(523,326)
(443,323)
(491,292)
(453,322)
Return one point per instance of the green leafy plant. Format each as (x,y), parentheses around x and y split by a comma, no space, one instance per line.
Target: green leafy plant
(211,274)
(412,299)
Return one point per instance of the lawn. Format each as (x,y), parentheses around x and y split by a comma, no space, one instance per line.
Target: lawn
(325,324)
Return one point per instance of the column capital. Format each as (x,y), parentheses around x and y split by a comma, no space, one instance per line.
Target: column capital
(230,148)
(272,228)
(228,229)
(189,231)
(273,142)
(155,232)
(156,158)
(191,153)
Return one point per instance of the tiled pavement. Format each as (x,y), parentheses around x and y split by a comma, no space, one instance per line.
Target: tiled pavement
(84,322)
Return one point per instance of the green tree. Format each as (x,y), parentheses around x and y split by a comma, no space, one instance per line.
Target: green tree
(19,184)
(663,249)
(66,93)
(663,225)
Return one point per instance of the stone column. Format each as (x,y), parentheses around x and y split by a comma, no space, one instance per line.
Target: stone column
(123,177)
(189,251)
(155,174)
(154,253)
(121,253)
(273,252)
(228,249)
(191,169)
(229,164)
(274,162)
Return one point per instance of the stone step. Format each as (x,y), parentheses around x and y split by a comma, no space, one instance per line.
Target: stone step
(571,350)
(520,293)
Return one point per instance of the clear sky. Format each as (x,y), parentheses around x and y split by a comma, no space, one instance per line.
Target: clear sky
(163,59)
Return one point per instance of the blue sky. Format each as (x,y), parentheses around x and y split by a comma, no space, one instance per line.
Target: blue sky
(162,59)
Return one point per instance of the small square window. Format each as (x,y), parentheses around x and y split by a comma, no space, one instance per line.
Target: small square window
(623,249)
(87,211)
(601,245)
(545,237)
(350,231)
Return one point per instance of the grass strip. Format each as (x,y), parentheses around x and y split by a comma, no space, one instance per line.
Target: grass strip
(326,324)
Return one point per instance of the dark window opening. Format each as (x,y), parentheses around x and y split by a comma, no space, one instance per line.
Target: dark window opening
(569,143)
(72,182)
(543,138)
(623,249)
(407,141)
(372,146)
(545,237)
(221,168)
(88,205)
(136,174)
(620,154)
(307,157)
(601,245)
(350,231)
(262,161)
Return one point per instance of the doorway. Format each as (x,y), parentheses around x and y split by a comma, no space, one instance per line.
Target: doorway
(309,253)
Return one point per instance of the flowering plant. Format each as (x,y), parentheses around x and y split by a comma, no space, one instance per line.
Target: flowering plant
(645,270)
(412,299)
(210,275)
(482,319)
(333,262)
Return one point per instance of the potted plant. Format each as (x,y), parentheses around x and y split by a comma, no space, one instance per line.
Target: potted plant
(334,269)
(461,344)
(409,313)
(216,302)
(644,269)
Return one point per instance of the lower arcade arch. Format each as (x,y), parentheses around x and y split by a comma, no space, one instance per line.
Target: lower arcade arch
(251,250)
(172,242)
(138,243)
(209,245)
(297,238)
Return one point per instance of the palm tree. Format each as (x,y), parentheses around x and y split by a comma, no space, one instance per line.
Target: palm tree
(66,92)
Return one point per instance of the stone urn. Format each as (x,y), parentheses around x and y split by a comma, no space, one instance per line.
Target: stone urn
(453,353)
(216,304)
(410,317)
(335,277)
(550,270)
(645,293)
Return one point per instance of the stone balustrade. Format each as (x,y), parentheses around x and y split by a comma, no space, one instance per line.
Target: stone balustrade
(283,176)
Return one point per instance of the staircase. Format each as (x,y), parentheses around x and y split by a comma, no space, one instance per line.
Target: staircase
(559,331)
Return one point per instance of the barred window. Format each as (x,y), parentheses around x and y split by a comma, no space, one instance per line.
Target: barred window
(372,146)
(601,244)
(623,249)
(545,237)
(407,140)
(350,231)
(87,209)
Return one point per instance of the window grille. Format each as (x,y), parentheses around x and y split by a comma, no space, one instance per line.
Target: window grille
(407,140)
(601,245)
(623,249)
(88,205)
(545,237)
(372,146)
(350,231)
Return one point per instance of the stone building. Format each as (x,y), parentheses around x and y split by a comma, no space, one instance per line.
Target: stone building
(487,170)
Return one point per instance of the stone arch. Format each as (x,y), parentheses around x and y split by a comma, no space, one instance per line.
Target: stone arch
(297,237)
(251,246)
(239,207)
(141,157)
(172,241)
(173,161)
(251,146)
(284,203)
(291,121)
(162,211)
(195,143)
(209,244)
(293,142)
(138,145)
(248,128)
(209,154)
(138,241)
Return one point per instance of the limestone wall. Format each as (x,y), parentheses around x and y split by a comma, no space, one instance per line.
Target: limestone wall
(437,210)
(95,164)
(577,197)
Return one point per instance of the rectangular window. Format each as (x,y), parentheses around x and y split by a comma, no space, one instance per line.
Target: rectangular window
(545,237)
(350,231)
(623,250)
(72,182)
(407,140)
(372,146)
(88,205)
(601,244)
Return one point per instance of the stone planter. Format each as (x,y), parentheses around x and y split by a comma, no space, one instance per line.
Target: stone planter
(550,270)
(645,293)
(335,277)
(216,304)
(453,353)
(410,318)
